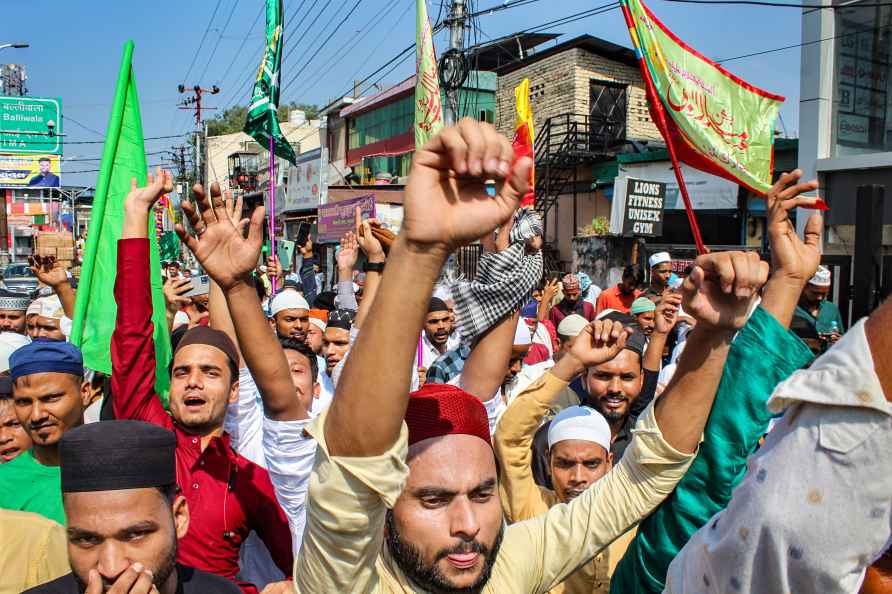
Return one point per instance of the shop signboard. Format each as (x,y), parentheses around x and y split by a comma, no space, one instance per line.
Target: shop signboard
(336,218)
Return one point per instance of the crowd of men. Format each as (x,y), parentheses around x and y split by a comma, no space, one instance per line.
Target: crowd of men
(707,429)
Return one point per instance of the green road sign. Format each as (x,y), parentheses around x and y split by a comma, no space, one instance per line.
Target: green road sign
(24,125)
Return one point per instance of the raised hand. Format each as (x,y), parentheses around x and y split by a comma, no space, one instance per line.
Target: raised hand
(722,287)
(550,291)
(156,186)
(219,243)
(792,258)
(666,315)
(446,203)
(274,268)
(174,293)
(47,270)
(373,249)
(600,341)
(136,579)
(348,254)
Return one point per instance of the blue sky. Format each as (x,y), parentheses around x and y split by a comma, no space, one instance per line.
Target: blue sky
(76,47)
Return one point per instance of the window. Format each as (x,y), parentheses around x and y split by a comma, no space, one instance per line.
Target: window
(608,103)
(862,111)
(383,123)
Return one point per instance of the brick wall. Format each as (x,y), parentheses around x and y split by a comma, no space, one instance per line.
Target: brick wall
(560,84)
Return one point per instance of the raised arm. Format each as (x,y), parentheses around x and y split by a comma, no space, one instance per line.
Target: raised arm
(306,271)
(763,354)
(719,293)
(446,206)
(132,346)
(47,271)
(374,253)
(229,258)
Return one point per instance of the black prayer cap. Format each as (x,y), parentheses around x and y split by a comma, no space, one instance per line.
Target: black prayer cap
(117,455)
(436,304)
(341,318)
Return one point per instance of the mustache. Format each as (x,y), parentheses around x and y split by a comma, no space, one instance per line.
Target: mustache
(463,548)
(41,425)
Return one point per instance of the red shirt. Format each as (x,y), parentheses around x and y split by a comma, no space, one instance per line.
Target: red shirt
(612,299)
(228,495)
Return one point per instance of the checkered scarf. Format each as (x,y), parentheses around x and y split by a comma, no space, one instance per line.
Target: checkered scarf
(504,280)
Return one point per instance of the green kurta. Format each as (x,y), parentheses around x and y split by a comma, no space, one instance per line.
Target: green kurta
(763,354)
(828,313)
(27,485)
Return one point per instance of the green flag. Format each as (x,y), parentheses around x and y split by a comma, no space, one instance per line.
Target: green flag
(428,107)
(123,158)
(713,120)
(170,246)
(263,122)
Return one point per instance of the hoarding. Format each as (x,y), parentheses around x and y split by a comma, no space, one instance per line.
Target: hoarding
(644,208)
(34,171)
(335,219)
(25,125)
(306,184)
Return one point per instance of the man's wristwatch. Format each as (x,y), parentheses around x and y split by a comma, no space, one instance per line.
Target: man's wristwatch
(373,267)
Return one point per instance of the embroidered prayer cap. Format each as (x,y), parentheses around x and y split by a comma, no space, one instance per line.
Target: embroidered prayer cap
(659,258)
(341,318)
(10,342)
(440,409)
(10,301)
(33,309)
(287,299)
(582,423)
(822,277)
(46,356)
(51,307)
(572,325)
(570,281)
(205,335)
(642,305)
(117,455)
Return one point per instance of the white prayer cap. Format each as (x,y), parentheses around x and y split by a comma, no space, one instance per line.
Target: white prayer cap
(51,307)
(9,342)
(821,278)
(572,325)
(288,299)
(33,309)
(659,258)
(579,422)
(522,334)
(318,323)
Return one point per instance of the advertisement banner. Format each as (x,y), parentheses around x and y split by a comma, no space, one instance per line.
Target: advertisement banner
(34,171)
(337,218)
(644,208)
(305,184)
(25,125)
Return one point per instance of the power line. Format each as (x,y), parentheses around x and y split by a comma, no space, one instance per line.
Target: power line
(323,44)
(238,52)
(785,5)
(67,142)
(217,44)
(87,128)
(162,164)
(203,37)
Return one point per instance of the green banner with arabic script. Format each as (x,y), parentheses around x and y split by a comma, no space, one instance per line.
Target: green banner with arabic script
(718,122)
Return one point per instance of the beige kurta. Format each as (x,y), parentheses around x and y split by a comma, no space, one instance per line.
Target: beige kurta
(33,551)
(343,549)
(523,499)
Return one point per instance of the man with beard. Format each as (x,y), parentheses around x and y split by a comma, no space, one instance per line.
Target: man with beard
(290,314)
(123,526)
(572,303)
(49,397)
(644,312)
(621,296)
(51,322)
(660,272)
(228,494)
(578,448)
(12,311)
(418,471)
(438,327)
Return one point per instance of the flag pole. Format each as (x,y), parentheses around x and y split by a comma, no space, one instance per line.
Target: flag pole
(272,206)
(657,108)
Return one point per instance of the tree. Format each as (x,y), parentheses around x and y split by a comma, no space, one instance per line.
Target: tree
(233,119)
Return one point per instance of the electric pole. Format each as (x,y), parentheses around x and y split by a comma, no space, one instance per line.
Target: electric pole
(453,66)
(194,103)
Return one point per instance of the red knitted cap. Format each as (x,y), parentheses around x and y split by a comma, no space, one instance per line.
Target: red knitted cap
(440,409)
